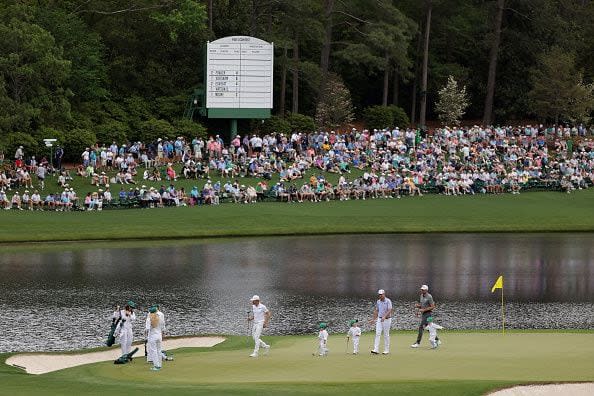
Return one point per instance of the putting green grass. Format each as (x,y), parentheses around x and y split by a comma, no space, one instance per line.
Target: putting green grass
(468,363)
(529,212)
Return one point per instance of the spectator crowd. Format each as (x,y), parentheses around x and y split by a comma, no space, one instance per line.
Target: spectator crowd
(368,164)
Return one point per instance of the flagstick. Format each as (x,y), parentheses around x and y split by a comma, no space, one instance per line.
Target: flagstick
(502,313)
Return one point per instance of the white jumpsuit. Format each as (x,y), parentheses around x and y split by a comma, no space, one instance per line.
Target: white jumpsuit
(154,338)
(124,329)
(259,312)
(355,334)
(323,337)
(432,328)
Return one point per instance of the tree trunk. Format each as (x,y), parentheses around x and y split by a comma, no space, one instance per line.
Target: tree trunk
(386,81)
(413,110)
(488,113)
(253,19)
(210,16)
(395,87)
(270,19)
(283,93)
(327,44)
(295,76)
(423,115)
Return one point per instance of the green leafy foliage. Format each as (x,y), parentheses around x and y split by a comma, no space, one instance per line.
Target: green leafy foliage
(11,141)
(189,129)
(76,141)
(399,117)
(558,89)
(378,117)
(381,38)
(187,16)
(116,67)
(49,133)
(87,79)
(112,131)
(33,74)
(276,124)
(153,129)
(300,122)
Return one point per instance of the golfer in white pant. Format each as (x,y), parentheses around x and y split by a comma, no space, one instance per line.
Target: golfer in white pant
(260,316)
(382,316)
(124,328)
(154,327)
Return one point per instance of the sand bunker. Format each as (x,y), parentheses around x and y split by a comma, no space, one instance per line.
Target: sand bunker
(41,363)
(585,389)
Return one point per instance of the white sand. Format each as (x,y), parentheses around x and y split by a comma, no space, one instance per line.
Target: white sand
(41,363)
(584,389)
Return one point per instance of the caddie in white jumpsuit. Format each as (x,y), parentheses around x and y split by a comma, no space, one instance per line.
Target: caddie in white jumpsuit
(260,316)
(382,316)
(155,326)
(124,328)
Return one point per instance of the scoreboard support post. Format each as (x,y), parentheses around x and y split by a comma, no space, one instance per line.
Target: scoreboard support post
(233,129)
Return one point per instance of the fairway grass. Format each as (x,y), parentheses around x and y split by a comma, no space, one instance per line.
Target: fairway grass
(468,363)
(529,212)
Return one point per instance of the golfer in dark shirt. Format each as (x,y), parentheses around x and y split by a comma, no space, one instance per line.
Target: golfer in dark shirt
(425,307)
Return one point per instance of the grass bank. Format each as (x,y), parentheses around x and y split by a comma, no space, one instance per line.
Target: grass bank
(529,212)
(466,364)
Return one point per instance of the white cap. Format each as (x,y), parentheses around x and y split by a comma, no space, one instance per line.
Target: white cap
(255,298)
(381,291)
(424,287)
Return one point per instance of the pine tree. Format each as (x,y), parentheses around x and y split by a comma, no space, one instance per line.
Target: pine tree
(558,90)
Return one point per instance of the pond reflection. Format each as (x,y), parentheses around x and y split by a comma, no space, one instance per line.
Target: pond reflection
(204,286)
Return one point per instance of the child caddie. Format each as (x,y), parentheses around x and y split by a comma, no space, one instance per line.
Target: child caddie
(432,328)
(323,339)
(354,333)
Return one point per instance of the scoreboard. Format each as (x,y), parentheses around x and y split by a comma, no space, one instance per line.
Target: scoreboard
(239,72)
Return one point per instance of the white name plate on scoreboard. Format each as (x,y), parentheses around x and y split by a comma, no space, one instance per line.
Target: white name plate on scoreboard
(239,73)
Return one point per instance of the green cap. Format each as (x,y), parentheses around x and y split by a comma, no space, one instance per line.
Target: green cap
(131,304)
(153,309)
(323,325)
(352,322)
(430,319)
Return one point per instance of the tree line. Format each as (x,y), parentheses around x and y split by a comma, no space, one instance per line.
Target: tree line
(83,71)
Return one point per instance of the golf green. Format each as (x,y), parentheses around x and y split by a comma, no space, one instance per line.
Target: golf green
(468,363)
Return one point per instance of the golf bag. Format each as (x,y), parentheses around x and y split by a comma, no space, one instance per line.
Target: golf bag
(126,357)
(167,356)
(111,336)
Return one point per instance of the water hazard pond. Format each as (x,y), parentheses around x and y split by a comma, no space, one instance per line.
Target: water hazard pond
(60,296)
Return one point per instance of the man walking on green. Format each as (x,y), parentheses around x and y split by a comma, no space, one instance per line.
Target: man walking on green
(425,307)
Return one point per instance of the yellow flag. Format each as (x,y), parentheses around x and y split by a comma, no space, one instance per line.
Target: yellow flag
(498,284)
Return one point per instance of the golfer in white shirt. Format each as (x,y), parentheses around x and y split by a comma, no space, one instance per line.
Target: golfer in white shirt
(260,316)
(124,328)
(382,316)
